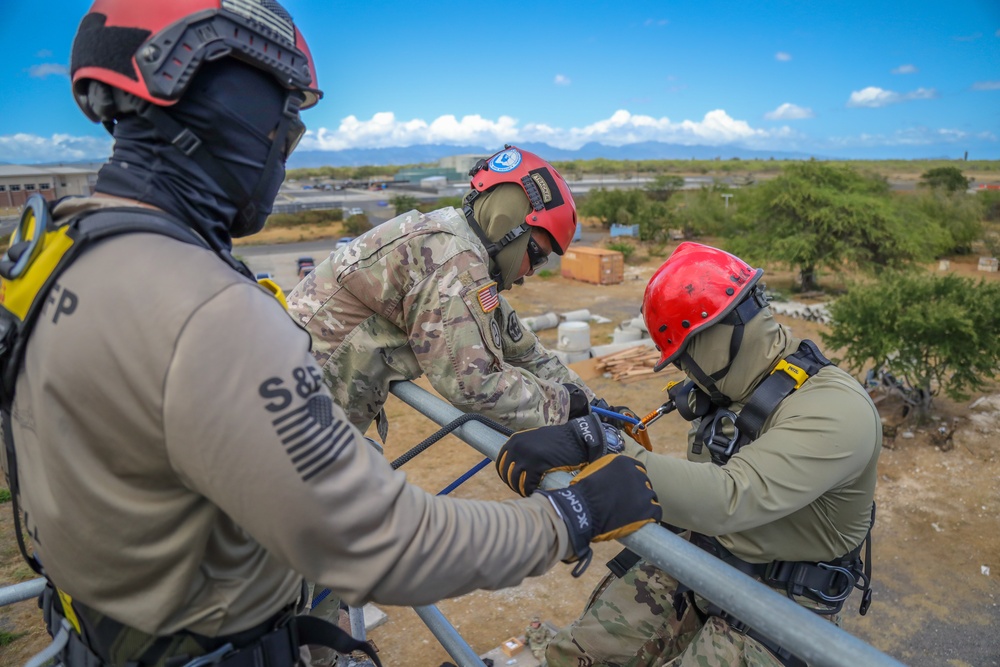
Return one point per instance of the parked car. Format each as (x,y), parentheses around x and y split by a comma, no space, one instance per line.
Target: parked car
(355,211)
(306,265)
(341,242)
(264,275)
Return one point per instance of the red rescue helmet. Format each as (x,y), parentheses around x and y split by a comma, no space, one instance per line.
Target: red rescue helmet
(153,49)
(553,207)
(696,287)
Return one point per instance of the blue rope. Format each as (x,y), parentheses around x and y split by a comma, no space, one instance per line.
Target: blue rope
(472,471)
(614,415)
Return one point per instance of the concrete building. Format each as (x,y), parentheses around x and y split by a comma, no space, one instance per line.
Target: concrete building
(18,182)
(461,163)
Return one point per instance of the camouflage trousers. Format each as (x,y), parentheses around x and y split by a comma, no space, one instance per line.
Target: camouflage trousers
(639,620)
(328,610)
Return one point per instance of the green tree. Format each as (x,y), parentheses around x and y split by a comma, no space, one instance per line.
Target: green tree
(356,225)
(816,215)
(952,221)
(938,333)
(945,178)
(663,186)
(403,203)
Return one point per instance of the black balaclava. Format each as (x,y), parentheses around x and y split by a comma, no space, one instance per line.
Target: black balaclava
(231,107)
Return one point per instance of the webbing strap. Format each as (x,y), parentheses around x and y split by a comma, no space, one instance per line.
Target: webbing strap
(777,386)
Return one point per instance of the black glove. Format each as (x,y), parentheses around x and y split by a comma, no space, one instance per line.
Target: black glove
(579,404)
(530,455)
(610,499)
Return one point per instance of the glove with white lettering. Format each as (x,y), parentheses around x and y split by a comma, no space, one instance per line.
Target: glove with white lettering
(609,499)
(528,456)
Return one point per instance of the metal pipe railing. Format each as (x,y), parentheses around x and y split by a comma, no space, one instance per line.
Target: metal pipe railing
(807,635)
(446,633)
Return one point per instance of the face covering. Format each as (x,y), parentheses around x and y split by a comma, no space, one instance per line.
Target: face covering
(232,107)
(502,209)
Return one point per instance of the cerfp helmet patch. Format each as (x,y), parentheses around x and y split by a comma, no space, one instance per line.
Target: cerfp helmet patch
(505,161)
(488,298)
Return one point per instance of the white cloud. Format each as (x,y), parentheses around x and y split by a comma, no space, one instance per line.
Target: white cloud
(788,111)
(906,69)
(781,56)
(30,148)
(561,80)
(48,69)
(986,85)
(623,127)
(874,97)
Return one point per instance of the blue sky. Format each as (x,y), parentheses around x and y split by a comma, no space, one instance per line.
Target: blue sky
(880,78)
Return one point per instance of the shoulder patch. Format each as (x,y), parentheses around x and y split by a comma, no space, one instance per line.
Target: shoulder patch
(495,332)
(514,327)
(489,299)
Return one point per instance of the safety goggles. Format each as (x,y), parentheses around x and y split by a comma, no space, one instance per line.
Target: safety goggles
(536,256)
(296,130)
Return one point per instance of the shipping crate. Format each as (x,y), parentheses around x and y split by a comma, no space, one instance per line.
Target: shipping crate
(512,646)
(593,265)
(989,264)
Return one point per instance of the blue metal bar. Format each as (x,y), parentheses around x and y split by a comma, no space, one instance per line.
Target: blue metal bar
(446,633)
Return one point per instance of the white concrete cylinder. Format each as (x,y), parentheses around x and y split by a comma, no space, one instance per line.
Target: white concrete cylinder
(574,337)
(541,322)
(577,316)
(626,335)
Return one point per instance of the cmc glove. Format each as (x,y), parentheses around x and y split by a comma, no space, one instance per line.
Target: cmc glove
(609,499)
(530,455)
(579,404)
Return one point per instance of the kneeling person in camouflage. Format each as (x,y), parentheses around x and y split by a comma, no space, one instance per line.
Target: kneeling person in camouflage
(779,479)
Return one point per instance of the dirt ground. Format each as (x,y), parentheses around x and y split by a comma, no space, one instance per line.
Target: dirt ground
(936,541)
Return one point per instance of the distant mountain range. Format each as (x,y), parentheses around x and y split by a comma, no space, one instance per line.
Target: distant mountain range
(648,150)
(430,153)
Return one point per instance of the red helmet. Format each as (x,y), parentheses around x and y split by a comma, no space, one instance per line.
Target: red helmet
(153,49)
(554,208)
(696,287)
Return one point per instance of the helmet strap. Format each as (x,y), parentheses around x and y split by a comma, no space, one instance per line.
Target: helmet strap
(493,248)
(747,309)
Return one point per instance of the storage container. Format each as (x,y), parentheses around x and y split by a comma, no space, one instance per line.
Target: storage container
(593,265)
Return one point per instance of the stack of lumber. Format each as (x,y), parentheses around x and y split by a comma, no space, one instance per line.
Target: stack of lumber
(635,363)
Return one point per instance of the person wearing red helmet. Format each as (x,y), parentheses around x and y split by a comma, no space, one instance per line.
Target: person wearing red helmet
(779,479)
(180,463)
(421,295)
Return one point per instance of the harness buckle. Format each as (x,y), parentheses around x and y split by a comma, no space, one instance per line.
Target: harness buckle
(718,442)
(849,581)
(793,371)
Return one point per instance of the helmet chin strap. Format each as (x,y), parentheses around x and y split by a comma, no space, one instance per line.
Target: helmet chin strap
(493,248)
(738,317)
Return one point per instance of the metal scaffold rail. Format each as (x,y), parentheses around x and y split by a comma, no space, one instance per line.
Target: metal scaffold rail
(807,635)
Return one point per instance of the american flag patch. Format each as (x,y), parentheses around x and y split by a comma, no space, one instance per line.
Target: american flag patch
(488,298)
(311,436)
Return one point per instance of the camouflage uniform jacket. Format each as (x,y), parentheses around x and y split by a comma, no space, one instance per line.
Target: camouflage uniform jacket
(414,296)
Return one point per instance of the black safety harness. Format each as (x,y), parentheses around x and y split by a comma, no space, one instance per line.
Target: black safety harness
(82,636)
(826,584)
